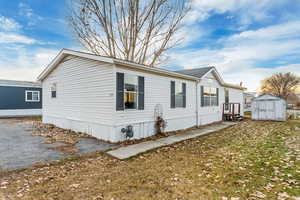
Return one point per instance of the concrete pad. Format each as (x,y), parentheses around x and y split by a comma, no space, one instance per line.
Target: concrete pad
(135,149)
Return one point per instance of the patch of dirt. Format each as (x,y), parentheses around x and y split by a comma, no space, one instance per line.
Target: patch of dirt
(293,142)
(69,148)
(54,134)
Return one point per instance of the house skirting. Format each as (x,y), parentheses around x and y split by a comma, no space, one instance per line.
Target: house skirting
(20,112)
(112,132)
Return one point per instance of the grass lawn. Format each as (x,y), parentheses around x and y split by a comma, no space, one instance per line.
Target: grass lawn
(252,160)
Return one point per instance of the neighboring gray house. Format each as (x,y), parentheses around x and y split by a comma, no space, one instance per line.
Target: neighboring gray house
(20,98)
(105,97)
(248,97)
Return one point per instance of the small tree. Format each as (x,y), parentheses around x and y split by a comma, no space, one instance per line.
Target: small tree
(140,31)
(281,84)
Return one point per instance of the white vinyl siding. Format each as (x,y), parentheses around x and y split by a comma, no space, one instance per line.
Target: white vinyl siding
(86,100)
(157,92)
(210,114)
(86,93)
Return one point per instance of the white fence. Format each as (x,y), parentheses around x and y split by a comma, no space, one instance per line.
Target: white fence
(293,114)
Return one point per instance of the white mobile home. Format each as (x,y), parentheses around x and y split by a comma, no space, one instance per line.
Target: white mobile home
(101,96)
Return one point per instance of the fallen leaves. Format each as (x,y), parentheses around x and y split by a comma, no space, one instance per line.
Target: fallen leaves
(249,161)
(54,134)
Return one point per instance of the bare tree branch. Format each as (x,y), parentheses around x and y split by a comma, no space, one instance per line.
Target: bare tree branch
(140,31)
(281,84)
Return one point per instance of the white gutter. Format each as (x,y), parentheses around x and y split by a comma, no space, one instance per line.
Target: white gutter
(197,103)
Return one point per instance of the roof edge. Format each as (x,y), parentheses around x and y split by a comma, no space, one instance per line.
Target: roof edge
(64,52)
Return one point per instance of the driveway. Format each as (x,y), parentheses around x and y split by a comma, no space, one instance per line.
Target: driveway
(18,148)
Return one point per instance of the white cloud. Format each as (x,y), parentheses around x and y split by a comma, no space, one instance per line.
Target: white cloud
(7,38)
(281,31)
(247,11)
(240,54)
(251,76)
(7,24)
(26,64)
(27,12)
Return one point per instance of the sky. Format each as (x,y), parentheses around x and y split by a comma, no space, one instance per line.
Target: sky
(246,40)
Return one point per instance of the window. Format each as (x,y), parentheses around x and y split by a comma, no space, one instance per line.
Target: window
(226,95)
(178,95)
(32,96)
(226,91)
(210,96)
(53,90)
(130,91)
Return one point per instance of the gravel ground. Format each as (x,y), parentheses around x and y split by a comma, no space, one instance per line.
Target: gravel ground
(18,148)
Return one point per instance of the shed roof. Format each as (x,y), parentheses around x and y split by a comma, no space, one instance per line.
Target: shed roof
(264,97)
(13,83)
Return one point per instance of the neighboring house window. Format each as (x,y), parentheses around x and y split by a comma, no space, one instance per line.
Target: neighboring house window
(178,95)
(209,96)
(226,91)
(53,90)
(130,91)
(226,95)
(32,96)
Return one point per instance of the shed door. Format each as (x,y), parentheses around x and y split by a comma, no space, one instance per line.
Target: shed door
(262,110)
(270,107)
(267,110)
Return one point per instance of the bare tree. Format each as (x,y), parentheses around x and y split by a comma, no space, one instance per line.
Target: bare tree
(281,84)
(140,31)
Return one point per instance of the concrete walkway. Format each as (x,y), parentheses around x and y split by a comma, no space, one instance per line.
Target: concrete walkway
(135,149)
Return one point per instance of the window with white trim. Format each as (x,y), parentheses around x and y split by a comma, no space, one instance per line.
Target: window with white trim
(53,90)
(210,96)
(130,91)
(32,96)
(178,95)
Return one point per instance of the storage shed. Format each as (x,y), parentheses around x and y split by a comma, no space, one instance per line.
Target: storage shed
(268,107)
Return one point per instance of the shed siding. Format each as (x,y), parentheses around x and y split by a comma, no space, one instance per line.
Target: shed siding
(267,107)
(157,91)
(85,97)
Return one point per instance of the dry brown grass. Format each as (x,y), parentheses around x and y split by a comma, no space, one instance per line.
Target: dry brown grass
(247,161)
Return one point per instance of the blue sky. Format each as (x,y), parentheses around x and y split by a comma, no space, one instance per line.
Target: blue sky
(247,40)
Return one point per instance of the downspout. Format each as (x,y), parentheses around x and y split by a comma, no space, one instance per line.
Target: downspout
(197,108)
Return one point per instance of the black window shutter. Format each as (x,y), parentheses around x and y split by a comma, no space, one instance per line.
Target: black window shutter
(217,96)
(184,94)
(120,91)
(141,97)
(172,94)
(202,96)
